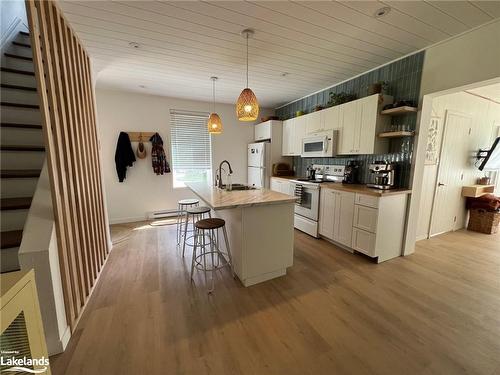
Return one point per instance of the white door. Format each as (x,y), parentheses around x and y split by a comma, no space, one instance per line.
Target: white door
(256,177)
(350,127)
(332,118)
(453,164)
(299,132)
(313,122)
(287,137)
(368,125)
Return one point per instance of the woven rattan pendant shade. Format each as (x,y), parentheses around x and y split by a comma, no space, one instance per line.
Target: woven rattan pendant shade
(247,106)
(214,124)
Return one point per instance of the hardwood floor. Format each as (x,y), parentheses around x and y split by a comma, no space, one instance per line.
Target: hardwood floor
(434,312)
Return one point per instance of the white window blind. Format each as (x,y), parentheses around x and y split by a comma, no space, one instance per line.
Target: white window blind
(191,147)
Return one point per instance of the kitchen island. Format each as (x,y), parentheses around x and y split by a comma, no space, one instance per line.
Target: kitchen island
(259,224)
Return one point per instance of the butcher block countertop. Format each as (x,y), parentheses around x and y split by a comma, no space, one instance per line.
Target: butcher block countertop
(355,188)
(219,199)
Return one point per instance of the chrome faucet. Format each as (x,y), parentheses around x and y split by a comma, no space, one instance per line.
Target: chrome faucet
(220,173)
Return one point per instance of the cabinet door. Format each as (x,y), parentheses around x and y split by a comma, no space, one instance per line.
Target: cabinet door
(262,131)
(344,216)
(276,185)
(331,118)
(299,132)
(285,187)
(327,203)
(313,122)
(350,128)
(287,137)
(365,218)
(368,124)
(363,241)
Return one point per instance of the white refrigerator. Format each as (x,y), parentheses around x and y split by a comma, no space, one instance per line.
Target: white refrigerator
(259,164)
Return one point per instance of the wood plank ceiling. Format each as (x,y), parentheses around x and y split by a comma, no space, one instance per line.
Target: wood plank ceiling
(298,48)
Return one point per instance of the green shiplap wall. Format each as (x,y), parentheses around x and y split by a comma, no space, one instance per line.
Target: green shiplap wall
(403,78)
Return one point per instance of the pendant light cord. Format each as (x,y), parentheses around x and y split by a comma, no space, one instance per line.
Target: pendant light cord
(247,60)
(213,92)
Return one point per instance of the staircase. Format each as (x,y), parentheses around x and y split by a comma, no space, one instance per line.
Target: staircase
(21,145)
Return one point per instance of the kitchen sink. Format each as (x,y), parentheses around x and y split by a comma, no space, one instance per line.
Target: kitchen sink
(239,187)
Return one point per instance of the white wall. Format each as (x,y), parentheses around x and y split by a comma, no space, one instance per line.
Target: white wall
(484,114)
(143,191)
(463,60)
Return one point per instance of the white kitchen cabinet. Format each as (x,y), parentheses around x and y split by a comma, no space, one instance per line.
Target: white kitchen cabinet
(281,185)
(327,200)
(314,122)
(288,138)
(262,131)
(344,209)
(361,124)
(331,118)
(293,132)
(365,218)
(336,215)
(369,224)
(364,242)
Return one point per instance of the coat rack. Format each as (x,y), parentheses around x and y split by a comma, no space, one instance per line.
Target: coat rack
(138,136)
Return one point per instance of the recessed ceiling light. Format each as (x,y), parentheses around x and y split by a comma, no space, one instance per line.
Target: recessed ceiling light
(382,12)
(134,45)
(142,86)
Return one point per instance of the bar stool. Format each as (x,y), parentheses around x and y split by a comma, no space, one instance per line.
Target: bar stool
(181,212)
(199,261)
(195,213)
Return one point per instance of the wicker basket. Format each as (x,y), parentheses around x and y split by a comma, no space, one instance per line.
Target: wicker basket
(484,221)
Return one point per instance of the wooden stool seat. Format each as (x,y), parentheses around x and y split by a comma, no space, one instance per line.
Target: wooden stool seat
(198,210)
(212,223)
(185,202)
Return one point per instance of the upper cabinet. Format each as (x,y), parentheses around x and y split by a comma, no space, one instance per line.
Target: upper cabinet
(293,132)
(262,131)
(361,122)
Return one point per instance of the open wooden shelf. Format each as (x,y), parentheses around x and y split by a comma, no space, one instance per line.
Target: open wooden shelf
(475,191)
(398,134)
(399,111)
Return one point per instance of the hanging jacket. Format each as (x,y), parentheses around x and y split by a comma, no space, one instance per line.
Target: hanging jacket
(158,157)
(124,155)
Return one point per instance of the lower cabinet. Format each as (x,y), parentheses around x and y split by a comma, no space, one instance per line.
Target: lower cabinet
(281,186)
(371,225)
(336,215)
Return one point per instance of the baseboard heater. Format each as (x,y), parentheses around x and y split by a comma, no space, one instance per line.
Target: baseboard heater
(162,214)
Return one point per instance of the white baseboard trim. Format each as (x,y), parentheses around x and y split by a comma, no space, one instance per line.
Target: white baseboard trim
(123,220)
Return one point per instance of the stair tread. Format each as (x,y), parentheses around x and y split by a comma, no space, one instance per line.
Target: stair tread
(21,148)
(17,87)
(20,105)
(11,238)
(15,203)
(17,71)
(20,126)
(19,173)
(20,44)
(14,56)
(25,33)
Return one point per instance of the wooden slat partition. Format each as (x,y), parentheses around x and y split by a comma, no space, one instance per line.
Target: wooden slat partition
(63,73)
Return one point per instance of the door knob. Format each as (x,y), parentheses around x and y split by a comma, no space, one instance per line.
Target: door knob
(440,184)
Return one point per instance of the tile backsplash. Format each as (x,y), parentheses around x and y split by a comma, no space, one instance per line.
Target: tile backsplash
(403,83)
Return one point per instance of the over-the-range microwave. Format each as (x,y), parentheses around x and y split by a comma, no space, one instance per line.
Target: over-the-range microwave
(320,145)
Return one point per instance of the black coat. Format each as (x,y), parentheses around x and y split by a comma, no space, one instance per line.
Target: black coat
(124,155)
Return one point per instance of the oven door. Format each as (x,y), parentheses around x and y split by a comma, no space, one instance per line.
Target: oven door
(308,203)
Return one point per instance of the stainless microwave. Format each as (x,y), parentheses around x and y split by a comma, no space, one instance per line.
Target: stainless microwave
(320,145)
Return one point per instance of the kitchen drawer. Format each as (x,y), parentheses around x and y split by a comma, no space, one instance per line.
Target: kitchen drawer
(366,200)
(363,241)
(365,218)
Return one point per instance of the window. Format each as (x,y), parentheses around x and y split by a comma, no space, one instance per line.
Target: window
(191,147)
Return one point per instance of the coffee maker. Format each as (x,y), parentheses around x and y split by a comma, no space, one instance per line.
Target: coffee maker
(383,175)
(351,172)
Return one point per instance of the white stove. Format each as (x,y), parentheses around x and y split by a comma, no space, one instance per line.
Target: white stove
(308,192)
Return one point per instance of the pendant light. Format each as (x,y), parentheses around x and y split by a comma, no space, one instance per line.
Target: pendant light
(247,107)
(214,123)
